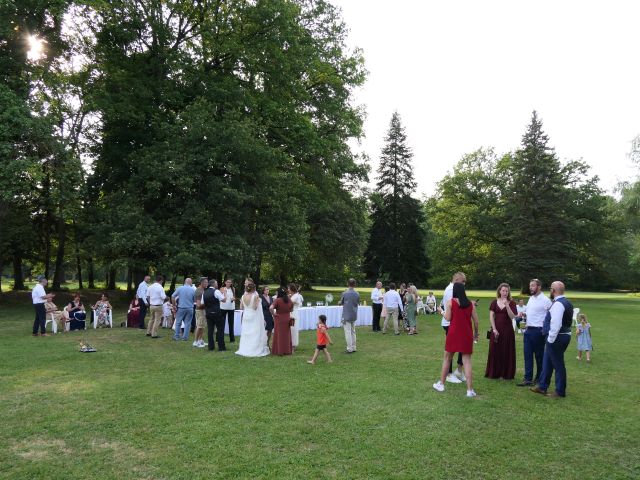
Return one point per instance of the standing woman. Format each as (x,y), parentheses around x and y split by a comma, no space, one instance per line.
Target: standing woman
(459,312)
(281,309)
(411,299)
(501,362)
(297,301)
(402,314)
(267,301)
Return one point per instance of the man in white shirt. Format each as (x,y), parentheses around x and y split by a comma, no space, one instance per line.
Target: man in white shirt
(376,305)
(228,307)
(533,339)
(39,297)
(393,304)
(156,297)
(142,295)
(557,328)
(431,303)
(457,376)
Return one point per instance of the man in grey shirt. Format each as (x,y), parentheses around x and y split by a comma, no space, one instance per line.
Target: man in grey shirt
(350,300)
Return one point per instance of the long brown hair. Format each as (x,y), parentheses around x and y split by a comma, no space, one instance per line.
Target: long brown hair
(500,287)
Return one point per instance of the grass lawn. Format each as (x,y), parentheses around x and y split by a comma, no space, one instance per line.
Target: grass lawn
(140,408)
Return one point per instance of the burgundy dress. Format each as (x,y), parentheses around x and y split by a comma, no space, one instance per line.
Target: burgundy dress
(282,331)
(502,354)
(460,334)
(133,317)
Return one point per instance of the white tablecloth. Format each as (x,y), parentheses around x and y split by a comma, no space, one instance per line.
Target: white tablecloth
(309,318)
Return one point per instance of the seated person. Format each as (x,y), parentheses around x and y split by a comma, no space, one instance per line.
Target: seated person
(133,315)
(101,311)
(58,315)
(75,313)
(431,303)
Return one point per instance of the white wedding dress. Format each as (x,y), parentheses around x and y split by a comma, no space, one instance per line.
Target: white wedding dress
(253,338)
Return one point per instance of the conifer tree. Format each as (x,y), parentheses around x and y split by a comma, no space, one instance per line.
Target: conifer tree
(396,248)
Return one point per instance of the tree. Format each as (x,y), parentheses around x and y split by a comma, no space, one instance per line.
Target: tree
(396,247)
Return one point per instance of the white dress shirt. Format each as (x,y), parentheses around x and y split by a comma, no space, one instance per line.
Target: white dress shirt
(376,296)
(156,294)
(446,296)
(37,293)
(392,300)
(557,311)
(537,308)
(142,292)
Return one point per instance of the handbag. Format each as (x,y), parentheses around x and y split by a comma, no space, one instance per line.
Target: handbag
(488,334)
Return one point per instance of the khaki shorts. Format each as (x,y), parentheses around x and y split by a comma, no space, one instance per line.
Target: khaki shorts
(201,319)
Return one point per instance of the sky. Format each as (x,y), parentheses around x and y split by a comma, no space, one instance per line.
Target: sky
(467,74)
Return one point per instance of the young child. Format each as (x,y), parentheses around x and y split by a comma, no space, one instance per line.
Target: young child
(583,332)
(168,312)
(322,339)
(522,310)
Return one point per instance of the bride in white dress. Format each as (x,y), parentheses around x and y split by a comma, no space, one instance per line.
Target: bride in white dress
(253,339)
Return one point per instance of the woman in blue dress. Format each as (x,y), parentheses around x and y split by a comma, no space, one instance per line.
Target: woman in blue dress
(583,332)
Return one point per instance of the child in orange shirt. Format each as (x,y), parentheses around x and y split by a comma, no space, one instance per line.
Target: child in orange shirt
(322,339)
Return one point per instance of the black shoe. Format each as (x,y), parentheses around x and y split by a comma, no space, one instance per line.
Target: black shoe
(148,334)
(223,349)
(157,336)
(525,383)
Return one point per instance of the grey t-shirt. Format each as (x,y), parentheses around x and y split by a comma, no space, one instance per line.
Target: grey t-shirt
(349,301)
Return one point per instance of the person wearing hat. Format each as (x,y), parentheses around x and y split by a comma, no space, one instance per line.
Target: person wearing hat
(39,298)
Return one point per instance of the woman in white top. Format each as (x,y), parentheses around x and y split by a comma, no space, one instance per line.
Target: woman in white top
(253,338)
(297,301)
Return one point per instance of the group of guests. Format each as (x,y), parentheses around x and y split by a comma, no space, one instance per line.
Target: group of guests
(546,336)
(396,308)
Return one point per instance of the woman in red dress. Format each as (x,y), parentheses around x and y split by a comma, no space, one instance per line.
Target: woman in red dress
(460,311)
(501,362)
(281,311)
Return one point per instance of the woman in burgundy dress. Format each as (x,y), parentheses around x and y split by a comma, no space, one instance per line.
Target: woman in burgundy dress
(133,315)
(281,311)
(502,344)
(460,311)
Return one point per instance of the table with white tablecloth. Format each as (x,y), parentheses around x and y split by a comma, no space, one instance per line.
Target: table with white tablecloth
(309,317)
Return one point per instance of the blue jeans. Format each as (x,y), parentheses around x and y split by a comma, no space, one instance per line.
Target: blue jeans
(533,343)
(554,360)
(183,315)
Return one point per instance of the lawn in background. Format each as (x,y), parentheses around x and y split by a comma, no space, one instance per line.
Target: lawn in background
(142,408)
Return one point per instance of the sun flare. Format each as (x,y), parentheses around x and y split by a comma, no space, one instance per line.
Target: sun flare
(36,48)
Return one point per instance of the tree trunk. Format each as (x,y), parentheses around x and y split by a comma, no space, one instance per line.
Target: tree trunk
(129,281)
(78,262)
(283,280)
(18,280)
(172,288)
(90,276)
(111,279)
(59,276)
(48,222)
(257,271)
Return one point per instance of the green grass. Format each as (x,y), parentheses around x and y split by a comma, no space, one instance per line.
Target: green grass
(162,410)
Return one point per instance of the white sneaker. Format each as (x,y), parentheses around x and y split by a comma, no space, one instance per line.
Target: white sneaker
(451,378)
(201,344)
(438,386)
(471,393)
(195,344)
(459,374)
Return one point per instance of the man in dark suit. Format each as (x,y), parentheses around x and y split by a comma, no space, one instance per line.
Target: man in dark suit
(215,319)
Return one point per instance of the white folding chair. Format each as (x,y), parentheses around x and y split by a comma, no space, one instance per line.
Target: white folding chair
(51,319)
(421,306)
(576,312)
(95,319)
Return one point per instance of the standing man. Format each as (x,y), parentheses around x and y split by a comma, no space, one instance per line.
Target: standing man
(557,328)
(39,297)
(393,304)
(142,294)
(377,296)
(156,298)
(215,320)
(228,307)
(457,376)
(533,339)
(185,296)
(350,300)
(201,318)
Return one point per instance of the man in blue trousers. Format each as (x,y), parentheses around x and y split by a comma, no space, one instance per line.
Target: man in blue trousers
(557,328)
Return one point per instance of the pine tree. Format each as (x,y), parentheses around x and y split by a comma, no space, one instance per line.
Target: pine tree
(396,249)
(537,200)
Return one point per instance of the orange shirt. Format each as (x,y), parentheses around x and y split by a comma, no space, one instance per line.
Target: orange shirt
(322,334)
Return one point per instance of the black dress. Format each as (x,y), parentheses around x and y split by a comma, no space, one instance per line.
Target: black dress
(77,317)
(268,318)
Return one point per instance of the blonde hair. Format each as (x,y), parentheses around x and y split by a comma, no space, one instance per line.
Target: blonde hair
(582,317)
(414,291)
(500,287)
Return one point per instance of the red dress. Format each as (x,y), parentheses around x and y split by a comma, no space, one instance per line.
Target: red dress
(282,331)
(501,362)
(460,334)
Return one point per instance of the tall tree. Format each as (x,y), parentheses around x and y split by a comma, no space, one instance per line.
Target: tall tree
(396,247)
